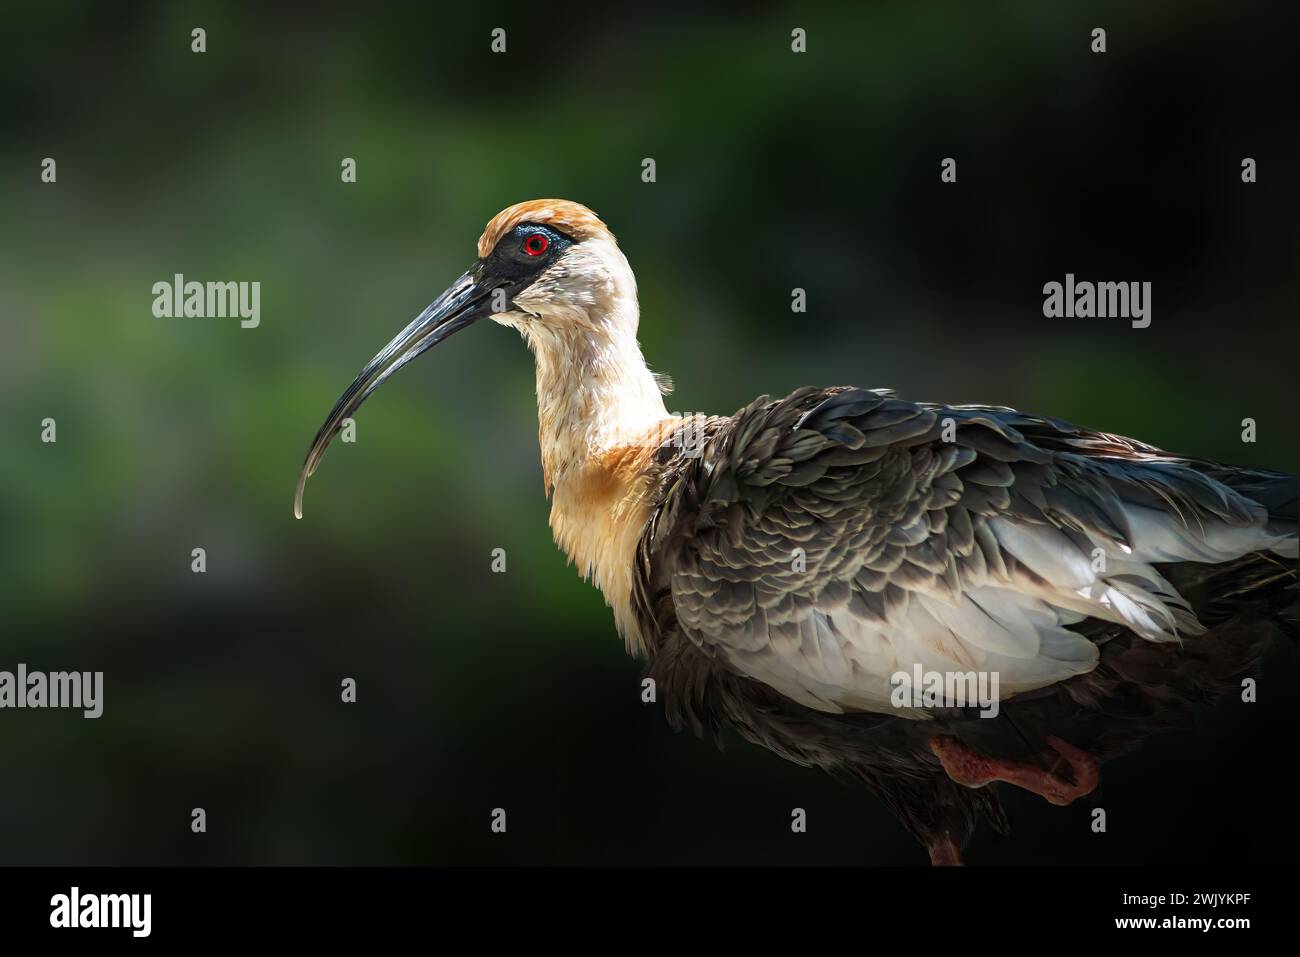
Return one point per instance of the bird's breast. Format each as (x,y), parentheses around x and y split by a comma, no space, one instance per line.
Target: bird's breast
(599,509)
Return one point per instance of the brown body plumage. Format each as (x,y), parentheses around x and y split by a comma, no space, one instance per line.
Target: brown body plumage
(780,567)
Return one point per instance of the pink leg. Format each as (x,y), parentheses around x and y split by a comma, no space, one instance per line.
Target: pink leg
(975,770)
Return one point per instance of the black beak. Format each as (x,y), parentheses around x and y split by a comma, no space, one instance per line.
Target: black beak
(467,300)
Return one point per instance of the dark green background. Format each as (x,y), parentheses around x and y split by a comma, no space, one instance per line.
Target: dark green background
(775,170)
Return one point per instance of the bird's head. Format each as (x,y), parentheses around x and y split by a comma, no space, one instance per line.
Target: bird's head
(547,267)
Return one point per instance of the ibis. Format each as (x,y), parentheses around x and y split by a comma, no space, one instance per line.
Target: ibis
(790,571)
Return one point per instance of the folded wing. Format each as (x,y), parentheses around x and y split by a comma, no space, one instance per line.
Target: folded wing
(828,541)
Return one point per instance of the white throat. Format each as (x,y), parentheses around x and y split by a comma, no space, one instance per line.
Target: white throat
(594,391)
(600,414)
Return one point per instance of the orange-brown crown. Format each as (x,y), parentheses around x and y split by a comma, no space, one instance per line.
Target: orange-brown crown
(570,218)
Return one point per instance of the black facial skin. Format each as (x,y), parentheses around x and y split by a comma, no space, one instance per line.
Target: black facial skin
(514,268)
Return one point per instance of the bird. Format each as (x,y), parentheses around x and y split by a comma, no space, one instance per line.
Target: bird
(784,569)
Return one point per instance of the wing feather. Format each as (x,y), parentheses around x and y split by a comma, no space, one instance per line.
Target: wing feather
(825,541)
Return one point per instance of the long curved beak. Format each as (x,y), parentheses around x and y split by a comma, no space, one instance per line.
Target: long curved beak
(464,302)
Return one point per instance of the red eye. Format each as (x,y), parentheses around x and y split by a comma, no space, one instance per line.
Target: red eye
(536,244)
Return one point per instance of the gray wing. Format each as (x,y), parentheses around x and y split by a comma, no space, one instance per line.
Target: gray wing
(828,541)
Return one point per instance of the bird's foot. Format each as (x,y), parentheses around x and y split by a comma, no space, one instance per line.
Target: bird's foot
(945,853)
(975,770)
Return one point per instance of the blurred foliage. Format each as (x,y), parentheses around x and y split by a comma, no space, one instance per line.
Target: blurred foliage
(774,171)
